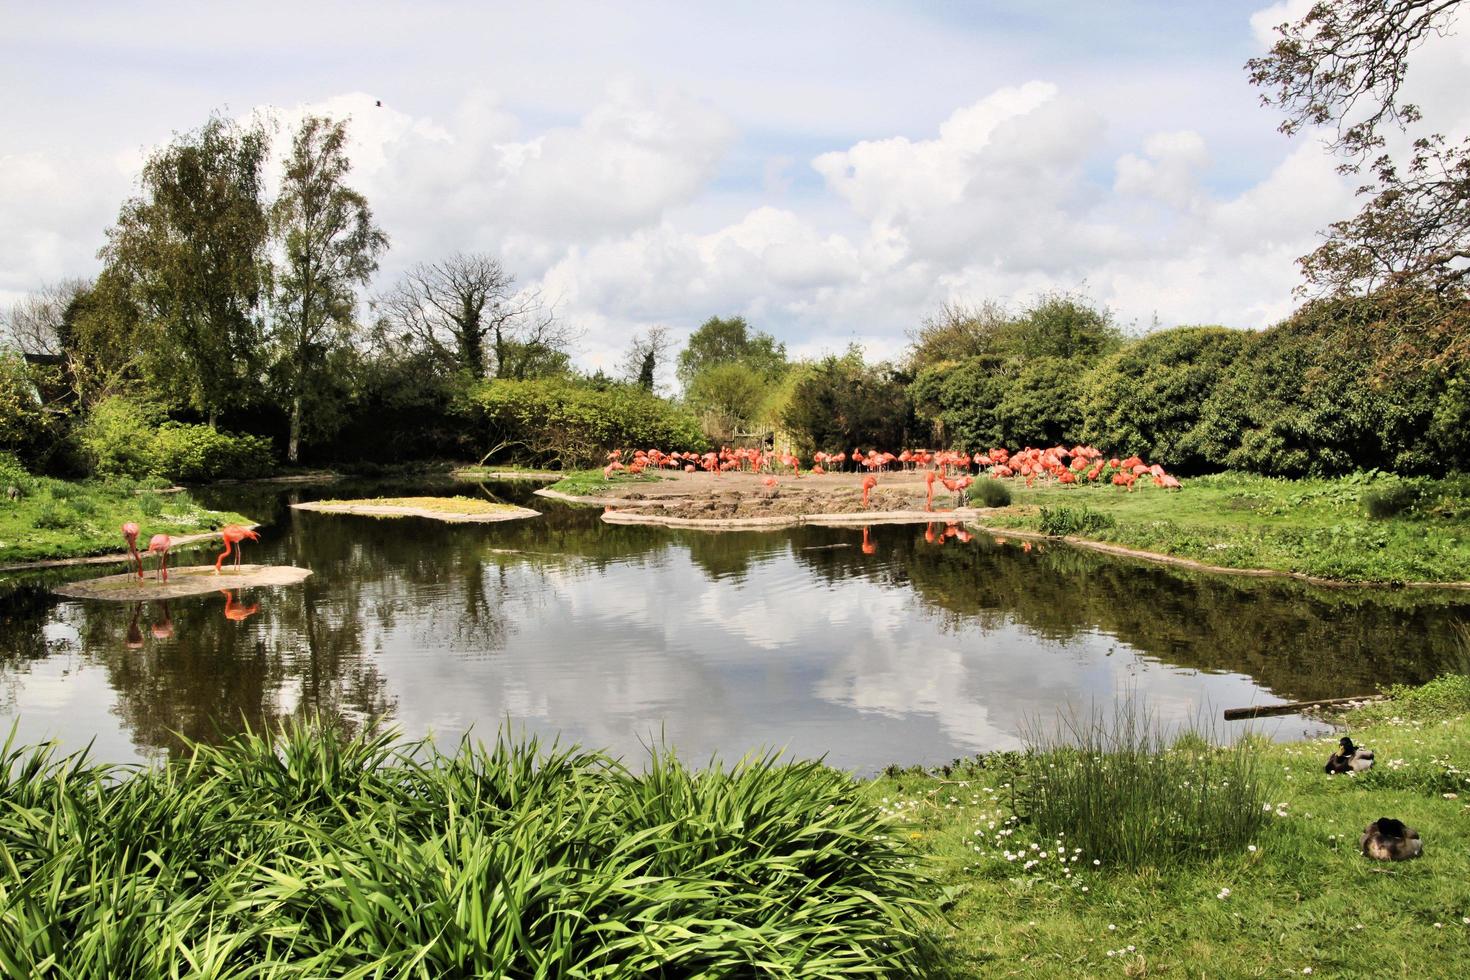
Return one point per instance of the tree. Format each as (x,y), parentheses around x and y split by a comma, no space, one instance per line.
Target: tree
(732,392)
(1062,325)
(191,249)
(466,311)
(1344,63)
(722,341)
(646,352)
(840,403)
(958,331)
(330,246)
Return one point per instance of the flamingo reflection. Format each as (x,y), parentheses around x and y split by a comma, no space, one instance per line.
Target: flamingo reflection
(134,640)
(163,625)
(238,613)
(869,548)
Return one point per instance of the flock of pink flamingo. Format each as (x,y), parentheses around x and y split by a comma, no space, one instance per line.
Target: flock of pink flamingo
(160,543)
(950,468)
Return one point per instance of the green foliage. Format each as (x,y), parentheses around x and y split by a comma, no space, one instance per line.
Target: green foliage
(315,855)
(571,423)
(25,425)
(1062,521)
(733,392)
(840,403)
(1116,788)
(1063,325)
(1348,384)
(1389,499)
(190,249)
(990,493)
(131,439)
(1149,397)
(726,341)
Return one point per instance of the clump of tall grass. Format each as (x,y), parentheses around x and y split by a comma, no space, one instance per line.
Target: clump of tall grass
(1125,792)
(313,854)
(1061,521)
(990,493)
(1390,500)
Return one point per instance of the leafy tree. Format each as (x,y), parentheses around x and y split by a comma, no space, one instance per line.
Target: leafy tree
(1344,63)
(25,425)
(466,311)
(732,392)
(1149,397)
(722,341)
(191,249)
(645,353)
(330,246)
(958,332)
(1062,325)
(840,403)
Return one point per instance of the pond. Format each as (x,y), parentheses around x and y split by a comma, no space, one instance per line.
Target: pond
(924,650)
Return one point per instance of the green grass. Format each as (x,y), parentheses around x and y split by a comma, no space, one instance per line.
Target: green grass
(589,483)
(1290,895)
(1317,527)
(61,519)
(492,472)
(315,855)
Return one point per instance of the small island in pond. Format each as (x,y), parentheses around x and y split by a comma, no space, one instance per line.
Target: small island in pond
(455,510)
(186,581)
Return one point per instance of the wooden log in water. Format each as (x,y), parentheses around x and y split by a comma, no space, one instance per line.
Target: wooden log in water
(1265,710)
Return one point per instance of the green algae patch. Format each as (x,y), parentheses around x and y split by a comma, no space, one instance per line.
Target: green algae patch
(455,510)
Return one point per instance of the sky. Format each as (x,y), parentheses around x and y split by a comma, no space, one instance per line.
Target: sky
(832,171)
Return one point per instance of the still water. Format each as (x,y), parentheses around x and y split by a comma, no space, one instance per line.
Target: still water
(615,636)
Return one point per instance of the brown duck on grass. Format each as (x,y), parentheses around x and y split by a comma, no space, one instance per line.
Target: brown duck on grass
(1348,758)
(1387,839)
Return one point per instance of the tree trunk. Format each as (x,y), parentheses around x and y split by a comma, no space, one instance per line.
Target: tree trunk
(294,443)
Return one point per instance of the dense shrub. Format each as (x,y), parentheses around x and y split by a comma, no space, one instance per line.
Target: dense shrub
(1390,500)
(840,403)
(25,426)
(1061,521)
(990,493)
(572,423)
(982,402)
(131,439)
(1149,397)
(1348,384)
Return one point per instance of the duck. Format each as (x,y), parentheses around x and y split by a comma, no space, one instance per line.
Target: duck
(1387,839)
(1348,758)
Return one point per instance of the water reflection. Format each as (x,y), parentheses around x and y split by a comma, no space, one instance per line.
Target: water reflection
(887,643)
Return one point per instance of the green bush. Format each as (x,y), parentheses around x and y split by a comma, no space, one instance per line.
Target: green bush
(570,423)
(126,438)
(1383,502)
(14,474)
(1062,521)
(57,515)
(1149,397)
(986,492)
(197,452)
(26,428)
(1125,793)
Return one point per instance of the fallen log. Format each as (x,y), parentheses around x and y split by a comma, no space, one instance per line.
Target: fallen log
(1265,710)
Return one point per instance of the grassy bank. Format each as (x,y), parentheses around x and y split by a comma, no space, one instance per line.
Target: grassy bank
(1363,528)
(1288,897)
(61,519)
(323,856)
(584,483)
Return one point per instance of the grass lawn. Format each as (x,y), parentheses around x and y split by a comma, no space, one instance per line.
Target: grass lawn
(1298,899)
(442,505)
(61,519)
(1318,527)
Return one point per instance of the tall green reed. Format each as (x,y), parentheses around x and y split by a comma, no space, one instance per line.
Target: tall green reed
(1119,786)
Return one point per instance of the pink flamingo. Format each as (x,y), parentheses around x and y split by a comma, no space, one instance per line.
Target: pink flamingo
(130,535)
(159,545)
(233,535)
(869,482)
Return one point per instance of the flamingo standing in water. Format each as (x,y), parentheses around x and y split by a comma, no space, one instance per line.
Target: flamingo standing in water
(130,535)
(233,535)
(869,482)
(159,545)
(240,613)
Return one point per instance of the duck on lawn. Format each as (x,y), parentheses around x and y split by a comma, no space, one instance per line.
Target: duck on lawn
(1348,758)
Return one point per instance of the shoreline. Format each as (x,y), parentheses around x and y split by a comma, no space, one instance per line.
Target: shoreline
(185,541)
